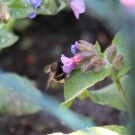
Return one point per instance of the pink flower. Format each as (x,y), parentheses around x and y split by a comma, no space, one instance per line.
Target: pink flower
(78,7)
(128,6)
(77,58)
(129,3)
(68,64)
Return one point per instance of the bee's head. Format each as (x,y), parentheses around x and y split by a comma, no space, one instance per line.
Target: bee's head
(54,66)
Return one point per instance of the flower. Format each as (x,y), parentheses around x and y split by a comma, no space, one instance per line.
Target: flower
(78,7)
(68,64)
(129,7)
(77,58)
(129,3)
(35,4)
(32,15)
(74,48)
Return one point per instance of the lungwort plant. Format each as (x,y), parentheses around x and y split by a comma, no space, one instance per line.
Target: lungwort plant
(87,67)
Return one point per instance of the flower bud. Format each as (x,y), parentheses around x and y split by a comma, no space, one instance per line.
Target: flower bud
(81,57)
(85,46)
(112,52)
(4,13)
(118,61)
(94,60)
(74,48)
(97,63)
(86,67)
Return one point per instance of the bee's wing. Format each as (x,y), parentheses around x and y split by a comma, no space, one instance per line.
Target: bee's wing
(47,68)
(51,75)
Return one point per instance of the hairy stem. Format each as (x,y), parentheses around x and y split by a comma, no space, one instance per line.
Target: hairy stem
(121,90)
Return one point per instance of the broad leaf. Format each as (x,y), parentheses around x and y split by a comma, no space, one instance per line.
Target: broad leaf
(18,95)
(119,129)
(22,8)
(110,95)
(79,81)
(66,104)
(51,7)
(19,8)
(107,130)
(7,38)
(10,100)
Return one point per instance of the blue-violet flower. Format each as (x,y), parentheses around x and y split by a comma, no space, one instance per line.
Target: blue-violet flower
(35,4)
(74,48)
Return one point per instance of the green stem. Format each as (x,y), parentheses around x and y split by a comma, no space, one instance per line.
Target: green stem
(120,89)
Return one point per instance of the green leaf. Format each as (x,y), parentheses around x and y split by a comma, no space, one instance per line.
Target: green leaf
(79,81)
(122,40)
(107,130)
(22,8)
(66,105)
(32,97)
(10,100)
(7,38)
(119,129)
(84,95)
(51,7)
(98,50)
(110,95)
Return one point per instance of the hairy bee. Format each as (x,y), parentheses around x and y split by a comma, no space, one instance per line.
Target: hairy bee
(56,73)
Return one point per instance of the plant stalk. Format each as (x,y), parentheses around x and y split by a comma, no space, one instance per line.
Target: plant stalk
(121,90)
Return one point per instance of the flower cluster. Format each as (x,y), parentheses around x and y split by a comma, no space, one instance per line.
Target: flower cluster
(35,4)
(114,58)
(85,57)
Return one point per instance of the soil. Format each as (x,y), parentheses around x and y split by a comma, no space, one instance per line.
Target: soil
(41,43)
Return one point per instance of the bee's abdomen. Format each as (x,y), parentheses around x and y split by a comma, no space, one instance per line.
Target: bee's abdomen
(60,78)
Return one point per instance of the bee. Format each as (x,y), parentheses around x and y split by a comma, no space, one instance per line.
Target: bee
(56,73)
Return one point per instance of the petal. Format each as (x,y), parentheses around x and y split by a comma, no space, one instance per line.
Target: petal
(74,48)
(35,3)
(68,64)
(68,69)
(129,3)
(78,7)
(66,61)
(32,15)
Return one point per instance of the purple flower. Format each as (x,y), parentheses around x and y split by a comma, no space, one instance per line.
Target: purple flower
(32,15)
(129,3)
(35,4)
(78,7)
(74,48)
(68,64)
